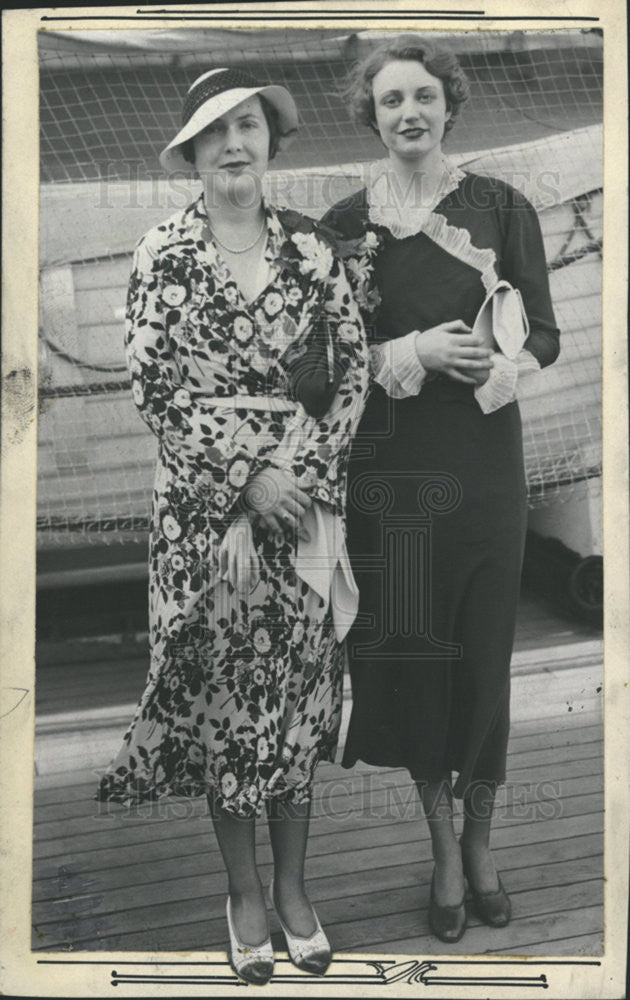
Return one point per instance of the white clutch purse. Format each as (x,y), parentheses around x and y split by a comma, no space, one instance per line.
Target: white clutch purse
(502,321)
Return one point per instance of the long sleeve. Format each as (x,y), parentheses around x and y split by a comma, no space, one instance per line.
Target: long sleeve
(525,267)
(505,380)
(395,366)
(192,435)
(318,460)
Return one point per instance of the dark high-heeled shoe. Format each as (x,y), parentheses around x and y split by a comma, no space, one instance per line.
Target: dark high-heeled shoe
(494,908)
(448,923)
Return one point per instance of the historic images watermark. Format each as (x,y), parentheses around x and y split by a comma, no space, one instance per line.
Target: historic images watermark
(312,192)
(341,801)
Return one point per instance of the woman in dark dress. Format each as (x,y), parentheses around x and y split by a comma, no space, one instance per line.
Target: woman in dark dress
(437,508)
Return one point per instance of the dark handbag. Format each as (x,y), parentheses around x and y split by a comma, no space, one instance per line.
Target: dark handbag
(316,374)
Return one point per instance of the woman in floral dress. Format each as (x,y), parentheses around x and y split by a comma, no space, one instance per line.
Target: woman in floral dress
(250,588)
(432,250)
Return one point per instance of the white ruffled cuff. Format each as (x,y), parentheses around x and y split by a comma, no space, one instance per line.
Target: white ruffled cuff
(526,363)
(500,386)
(396,367)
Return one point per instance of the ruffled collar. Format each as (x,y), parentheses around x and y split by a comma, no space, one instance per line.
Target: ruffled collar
(385,207)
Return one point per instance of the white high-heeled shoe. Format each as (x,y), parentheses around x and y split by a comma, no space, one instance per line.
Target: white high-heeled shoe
(253,963)
(311,954)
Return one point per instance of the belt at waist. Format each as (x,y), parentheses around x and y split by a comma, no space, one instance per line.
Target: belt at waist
(273,404)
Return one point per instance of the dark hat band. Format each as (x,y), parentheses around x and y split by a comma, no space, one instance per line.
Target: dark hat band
(217,83)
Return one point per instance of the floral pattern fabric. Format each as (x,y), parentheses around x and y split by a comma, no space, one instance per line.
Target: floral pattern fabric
(244,690)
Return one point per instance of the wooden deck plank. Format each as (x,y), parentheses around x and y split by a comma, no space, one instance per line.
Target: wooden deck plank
(529,895)
(340,798)
(338,795)
(71,879)
(122,881)
(555,738)
(567,721)
(526,859)
(382,844)
(409,908)
(382,935)
(560,772)
(99,898)
(547,934)
(86,806)
(386,810)
(345,807)
(343,811)
(64,881)
(548,841)
(579,945)
(334,781)
(122,828)
(550,820)
(369,922)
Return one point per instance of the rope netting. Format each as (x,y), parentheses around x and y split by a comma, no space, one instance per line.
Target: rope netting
(111,100)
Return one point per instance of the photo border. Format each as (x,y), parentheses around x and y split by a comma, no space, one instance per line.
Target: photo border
(49,974)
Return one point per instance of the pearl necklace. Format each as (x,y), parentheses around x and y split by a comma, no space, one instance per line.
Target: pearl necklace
(239,249)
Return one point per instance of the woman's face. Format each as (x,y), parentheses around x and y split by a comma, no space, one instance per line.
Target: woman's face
(232,152)
(410,108)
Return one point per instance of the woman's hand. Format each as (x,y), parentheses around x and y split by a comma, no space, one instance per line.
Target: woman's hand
(237,558)
(479,376)
(451,348)
(279,504)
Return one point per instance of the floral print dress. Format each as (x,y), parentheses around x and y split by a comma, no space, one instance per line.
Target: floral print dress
(244,691)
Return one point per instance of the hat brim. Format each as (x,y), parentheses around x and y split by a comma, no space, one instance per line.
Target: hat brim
(171,157)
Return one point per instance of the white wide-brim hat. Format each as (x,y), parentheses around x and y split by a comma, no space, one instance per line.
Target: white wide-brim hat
(215,93)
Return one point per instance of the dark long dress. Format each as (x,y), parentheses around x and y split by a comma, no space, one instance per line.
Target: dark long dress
(437,499)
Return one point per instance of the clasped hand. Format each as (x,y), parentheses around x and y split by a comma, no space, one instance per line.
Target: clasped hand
(451,348)
(273,498)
